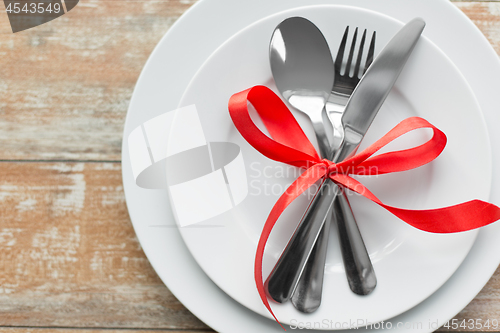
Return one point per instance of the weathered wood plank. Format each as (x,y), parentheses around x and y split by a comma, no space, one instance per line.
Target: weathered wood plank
(474,1)
(65,85)
(69,256)
(485,306)
(486,16)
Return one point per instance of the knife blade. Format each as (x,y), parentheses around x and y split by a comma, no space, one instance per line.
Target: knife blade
(373,88)
(359,113)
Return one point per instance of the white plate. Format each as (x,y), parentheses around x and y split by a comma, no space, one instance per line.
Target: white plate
(163,72)
(410,264)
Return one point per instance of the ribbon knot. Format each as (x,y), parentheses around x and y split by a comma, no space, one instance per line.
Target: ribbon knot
(331,167)
(289,144)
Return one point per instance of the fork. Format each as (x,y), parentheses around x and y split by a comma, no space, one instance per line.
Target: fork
(344,84)
(357,263)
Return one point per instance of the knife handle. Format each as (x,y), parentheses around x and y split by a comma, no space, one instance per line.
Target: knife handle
(358,266)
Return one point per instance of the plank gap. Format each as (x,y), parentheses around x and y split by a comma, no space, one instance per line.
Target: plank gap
(111,328)
(58,161)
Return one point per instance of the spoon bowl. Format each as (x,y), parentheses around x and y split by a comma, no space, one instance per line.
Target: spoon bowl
(303,70)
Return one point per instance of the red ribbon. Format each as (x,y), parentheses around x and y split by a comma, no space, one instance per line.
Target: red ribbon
(290,145)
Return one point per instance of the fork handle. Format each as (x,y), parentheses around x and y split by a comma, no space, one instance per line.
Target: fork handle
(319,121)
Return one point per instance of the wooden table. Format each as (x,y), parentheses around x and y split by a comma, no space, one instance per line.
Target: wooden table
(69,259)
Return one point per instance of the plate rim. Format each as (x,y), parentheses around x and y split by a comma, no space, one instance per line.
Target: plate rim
(432,45)
(489,264)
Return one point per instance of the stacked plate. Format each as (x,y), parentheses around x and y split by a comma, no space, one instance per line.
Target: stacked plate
(423,279)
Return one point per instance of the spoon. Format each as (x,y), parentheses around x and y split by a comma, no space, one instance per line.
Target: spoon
(303,71)
(303,74)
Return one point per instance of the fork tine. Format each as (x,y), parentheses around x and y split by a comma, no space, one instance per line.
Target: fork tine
(371,50)
(360,53)
(340,53)
(351,53)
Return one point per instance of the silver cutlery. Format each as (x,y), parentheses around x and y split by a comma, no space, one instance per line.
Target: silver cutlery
(359,269)
(359,113)
(358,266)
(303,70)
(302,73)
(344,84)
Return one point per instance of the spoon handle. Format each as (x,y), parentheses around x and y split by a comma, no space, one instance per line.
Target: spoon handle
(285,275)
(307,295)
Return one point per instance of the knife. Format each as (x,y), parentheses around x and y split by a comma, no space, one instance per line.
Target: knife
(361,109)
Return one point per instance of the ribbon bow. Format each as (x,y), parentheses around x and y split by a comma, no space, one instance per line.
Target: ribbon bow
(290,145)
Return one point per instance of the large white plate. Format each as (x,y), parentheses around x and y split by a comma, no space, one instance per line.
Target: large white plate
(410,264)
(161,85)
